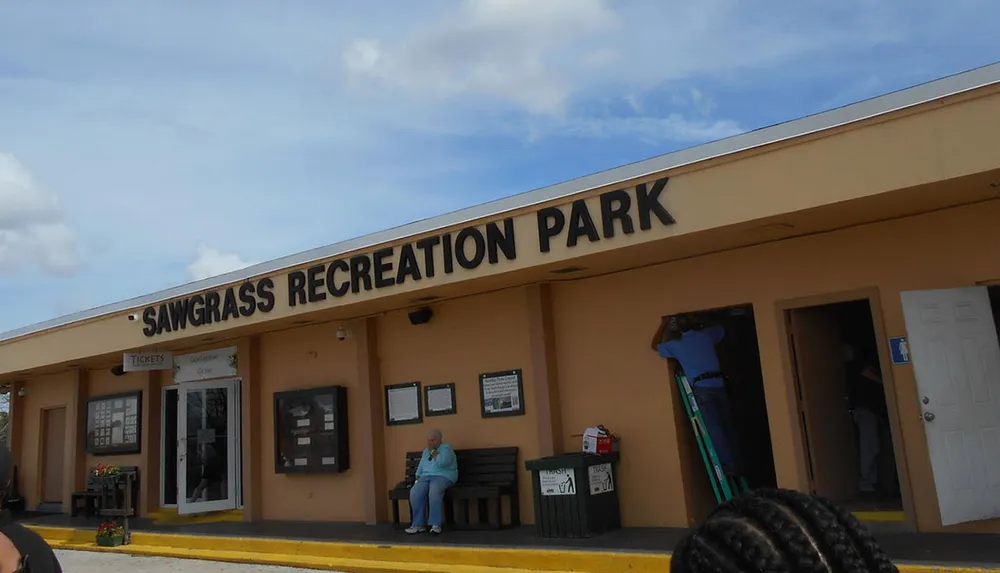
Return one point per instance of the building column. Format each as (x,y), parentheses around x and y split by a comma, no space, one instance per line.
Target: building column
(541,337)
(15,422)
(75,470)
(370,456)
(152,439)
(248,367)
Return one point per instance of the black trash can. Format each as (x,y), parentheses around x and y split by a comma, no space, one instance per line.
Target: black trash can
(575,494)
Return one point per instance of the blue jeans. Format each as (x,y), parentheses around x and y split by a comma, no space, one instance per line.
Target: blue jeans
(428,491)
(714,406)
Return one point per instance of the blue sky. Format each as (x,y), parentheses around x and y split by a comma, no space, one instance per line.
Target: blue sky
(146,144)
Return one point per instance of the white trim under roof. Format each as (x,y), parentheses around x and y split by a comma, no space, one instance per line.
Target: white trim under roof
(880,105)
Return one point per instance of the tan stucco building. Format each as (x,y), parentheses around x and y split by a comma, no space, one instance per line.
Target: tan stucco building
(893,203)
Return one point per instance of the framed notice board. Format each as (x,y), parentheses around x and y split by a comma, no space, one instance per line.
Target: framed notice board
(114,424)
(310,431)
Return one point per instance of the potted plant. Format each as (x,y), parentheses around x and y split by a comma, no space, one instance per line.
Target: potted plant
(109,471)
(108,475)
(110,534)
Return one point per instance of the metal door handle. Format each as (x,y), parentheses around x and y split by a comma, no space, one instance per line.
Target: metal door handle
(929,416)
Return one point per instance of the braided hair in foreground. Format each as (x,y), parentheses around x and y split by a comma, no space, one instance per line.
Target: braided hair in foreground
(780,531)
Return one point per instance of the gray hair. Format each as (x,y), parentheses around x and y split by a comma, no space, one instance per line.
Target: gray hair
(434,433)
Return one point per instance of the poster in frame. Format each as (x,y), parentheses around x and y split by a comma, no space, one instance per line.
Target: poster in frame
(501,394)
(403,404)
(439,400)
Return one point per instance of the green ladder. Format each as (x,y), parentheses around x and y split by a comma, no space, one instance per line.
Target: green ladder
(725,487)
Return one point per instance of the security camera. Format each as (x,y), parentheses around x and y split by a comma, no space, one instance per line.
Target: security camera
(133,317)
(341,333)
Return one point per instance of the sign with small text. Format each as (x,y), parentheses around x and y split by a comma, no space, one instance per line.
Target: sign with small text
(218,363)
(557,482)
(146,361)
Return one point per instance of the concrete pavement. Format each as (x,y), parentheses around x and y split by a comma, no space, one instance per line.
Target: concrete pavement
(94,562)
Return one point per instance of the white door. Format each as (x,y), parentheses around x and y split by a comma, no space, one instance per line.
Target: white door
(207,446)
(956,362)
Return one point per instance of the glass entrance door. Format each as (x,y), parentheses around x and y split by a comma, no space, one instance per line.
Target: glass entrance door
(207,446)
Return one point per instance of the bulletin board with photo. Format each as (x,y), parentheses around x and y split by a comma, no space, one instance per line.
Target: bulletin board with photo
(311,431)
(501,394)
(114,424)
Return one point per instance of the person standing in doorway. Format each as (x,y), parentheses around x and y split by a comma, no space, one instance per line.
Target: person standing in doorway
(866,397)
(694,348)
(438,470)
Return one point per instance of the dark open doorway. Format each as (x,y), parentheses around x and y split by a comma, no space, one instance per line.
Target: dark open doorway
(739,360)
(842,405)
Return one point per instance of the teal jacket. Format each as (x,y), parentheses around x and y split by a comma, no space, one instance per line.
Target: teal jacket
(445,465)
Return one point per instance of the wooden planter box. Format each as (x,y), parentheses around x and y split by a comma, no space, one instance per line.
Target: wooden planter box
(114,541)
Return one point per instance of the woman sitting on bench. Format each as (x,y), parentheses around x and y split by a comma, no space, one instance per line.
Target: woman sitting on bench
(438,470)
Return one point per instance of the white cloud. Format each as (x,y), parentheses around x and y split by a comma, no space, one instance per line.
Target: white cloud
(32,231)
(539,54)
(175,124)
(212,263)
(505,49)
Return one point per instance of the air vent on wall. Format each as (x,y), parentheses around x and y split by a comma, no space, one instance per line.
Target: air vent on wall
(772,228)
(424,299)
(567,270)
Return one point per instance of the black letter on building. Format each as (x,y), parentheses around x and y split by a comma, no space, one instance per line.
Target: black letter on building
(264,287)
(448,251)
(615,205)
(551,221)
(196,310)
(498,241)
(408,266)
(164,319)
(149,319)
(249,301)
(178,314)
(580,224)
(229,306)
(649,203)
(382,266)
(427,246)
(341,289)
(296,288)
(316,282)
(212,300)
(361,268)
(479,253)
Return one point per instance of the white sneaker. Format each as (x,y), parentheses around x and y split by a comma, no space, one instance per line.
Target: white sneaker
(413,529)
(435,529)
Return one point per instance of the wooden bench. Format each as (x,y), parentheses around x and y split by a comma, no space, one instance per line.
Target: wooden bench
(93,500)
(485,477)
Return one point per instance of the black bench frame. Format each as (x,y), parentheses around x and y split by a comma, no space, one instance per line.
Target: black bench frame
(93,495)
(485,477)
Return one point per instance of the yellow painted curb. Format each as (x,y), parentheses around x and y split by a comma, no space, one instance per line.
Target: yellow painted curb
(169,516)
(365,557)
(394,558)
(885,516)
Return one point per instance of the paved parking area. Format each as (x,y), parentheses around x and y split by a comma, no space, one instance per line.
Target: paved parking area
(93,562)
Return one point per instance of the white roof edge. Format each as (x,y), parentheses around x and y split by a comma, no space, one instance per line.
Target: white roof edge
(879,105)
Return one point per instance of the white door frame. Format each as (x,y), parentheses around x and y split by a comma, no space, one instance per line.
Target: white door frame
(234,444)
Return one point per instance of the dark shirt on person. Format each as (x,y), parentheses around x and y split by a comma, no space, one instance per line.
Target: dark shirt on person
(863,392)
(33,549)
(695,350)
